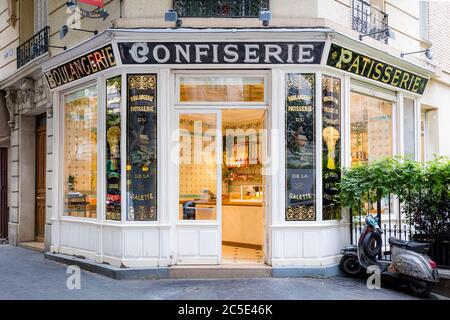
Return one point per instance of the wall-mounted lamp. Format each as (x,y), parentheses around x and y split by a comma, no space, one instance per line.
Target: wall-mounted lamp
(172,16)
(388,33)
(427,52)
(65,30)
(265,16)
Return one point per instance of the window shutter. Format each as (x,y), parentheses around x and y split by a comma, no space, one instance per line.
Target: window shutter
(40,14)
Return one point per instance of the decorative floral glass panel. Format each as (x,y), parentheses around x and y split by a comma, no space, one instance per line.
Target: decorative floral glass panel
(141,147)
(113,195)
(331,147)
(300,147)
(80,153)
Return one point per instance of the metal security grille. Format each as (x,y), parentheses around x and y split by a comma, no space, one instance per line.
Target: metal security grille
(33,47)
(220,8)
(367,19)
(3,194)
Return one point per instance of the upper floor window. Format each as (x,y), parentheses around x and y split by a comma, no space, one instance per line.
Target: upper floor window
(219,8)
(368,18)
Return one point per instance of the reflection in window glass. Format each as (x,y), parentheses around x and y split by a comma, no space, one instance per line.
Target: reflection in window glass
(113,195)
(230,89)
(409,128)
(371,128)
(80,153)
(331,146)
(300,147)
(197,167)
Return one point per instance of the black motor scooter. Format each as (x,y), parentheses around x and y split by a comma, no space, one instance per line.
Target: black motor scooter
(409,262)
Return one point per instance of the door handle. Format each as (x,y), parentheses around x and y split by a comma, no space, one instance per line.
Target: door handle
(40,198)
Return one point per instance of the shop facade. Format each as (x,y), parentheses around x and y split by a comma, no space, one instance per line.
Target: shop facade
(185,146)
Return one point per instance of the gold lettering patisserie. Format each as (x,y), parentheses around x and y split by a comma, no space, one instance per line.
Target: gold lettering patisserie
(356,63)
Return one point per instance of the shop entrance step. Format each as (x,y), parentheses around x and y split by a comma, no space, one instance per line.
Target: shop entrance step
(220,271)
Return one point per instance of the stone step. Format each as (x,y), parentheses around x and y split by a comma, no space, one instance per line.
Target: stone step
(32,245)
(221,271)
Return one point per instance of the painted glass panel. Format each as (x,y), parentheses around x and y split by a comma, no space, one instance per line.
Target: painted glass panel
(331,147)
(141,147)
(300,147)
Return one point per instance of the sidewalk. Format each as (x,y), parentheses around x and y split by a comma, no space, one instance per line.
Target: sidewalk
(26,274)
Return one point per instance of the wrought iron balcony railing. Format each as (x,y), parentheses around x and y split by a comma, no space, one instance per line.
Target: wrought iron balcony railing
(33,47)
(220,8)
(367,19)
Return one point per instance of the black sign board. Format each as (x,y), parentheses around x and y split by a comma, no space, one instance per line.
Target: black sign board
(141,147)
(90,63)
(300,147)
(361,65)
(221,52)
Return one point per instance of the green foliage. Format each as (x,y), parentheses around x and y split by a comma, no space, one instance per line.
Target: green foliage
(423,189)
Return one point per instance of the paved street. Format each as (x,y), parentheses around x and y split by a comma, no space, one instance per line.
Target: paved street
(25,274)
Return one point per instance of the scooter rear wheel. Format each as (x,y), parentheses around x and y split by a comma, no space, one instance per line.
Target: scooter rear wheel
(420,288)
(350,265)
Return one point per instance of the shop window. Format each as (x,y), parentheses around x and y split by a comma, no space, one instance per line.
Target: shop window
(409,133)
(429,134)
(300,147)
(230,89)
(371,128)
(141,147)
(113,195)
(331,146)
(80,153)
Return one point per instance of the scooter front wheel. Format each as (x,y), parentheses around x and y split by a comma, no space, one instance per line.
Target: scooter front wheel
(420,288)
(350,265)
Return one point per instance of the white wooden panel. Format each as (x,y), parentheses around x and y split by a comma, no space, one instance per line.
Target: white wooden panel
(188,243)
(132,243)
(150,243)
(165,244)
(311,244)
(278,244)
(208,242)
(292,244)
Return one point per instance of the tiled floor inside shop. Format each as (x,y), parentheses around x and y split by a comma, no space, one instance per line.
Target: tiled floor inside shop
(240,255)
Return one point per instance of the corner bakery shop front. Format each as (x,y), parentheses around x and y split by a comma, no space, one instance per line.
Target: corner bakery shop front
(207,147)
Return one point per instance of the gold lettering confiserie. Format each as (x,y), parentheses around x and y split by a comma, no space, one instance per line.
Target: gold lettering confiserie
(81,67)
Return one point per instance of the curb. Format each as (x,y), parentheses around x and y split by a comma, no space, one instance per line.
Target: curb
(110,271)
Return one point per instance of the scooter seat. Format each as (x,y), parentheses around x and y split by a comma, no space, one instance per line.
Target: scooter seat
(419,247)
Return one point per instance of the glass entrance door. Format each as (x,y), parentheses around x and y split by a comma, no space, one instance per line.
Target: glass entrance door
(199,187)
